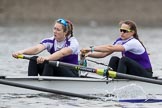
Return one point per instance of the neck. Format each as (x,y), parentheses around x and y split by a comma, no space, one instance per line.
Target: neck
(61,39)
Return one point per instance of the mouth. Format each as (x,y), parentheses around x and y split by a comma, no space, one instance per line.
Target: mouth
(122,36)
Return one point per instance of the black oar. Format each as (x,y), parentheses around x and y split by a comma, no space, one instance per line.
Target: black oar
(97,62)
(103,72)
(4,82)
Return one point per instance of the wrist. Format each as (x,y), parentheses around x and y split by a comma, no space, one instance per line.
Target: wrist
(92,49)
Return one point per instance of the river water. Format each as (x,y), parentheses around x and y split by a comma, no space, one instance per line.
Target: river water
(16,37)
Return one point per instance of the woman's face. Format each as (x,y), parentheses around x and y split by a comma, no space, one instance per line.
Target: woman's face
(58,31)
(125,32)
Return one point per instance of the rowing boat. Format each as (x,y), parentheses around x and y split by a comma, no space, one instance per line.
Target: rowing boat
(79,86)
(75,85)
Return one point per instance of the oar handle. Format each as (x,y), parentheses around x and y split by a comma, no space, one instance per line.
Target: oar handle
(23,57)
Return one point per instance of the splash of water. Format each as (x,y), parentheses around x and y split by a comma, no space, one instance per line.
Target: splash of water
(131,91)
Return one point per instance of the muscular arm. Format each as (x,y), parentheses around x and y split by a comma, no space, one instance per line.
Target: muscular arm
(109,48)
(103,50)
(99,54)
(59,54)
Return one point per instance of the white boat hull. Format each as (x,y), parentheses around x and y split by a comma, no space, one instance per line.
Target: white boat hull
(75,85)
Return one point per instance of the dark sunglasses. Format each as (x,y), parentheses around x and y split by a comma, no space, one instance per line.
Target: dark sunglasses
(125,31)
(62,21)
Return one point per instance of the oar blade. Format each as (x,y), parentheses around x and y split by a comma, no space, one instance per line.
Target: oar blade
(48,90)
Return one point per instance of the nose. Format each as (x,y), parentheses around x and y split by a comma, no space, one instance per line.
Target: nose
(122,32)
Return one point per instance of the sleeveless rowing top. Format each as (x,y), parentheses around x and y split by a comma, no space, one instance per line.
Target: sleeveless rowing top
(51,46)
(135,50)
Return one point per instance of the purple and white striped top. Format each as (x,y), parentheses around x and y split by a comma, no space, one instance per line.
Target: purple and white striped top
(53,46)
(135,50)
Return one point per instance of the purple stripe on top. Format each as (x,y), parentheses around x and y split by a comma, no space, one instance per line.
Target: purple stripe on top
(47,41)
(142,59)
(72,58)
(119,39)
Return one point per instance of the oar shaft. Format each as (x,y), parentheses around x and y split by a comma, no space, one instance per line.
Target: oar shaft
(137,78)
(114,74)
(77,67)
(4,82)
(103,72)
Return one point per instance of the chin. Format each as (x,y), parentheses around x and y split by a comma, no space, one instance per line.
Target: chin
(122,38)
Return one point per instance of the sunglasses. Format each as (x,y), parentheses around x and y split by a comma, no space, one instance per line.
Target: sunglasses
(125,31)
(62,21)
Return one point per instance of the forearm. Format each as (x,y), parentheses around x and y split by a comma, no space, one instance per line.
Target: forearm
(98,54)
(55,56)
(30,51)
(103,48)
(60,54)
(96,51)
(33,50)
